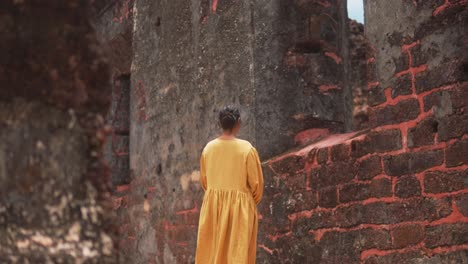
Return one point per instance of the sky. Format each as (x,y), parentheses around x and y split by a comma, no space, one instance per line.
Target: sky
(356,10)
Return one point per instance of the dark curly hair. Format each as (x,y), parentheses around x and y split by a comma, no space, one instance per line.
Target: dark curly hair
(228,116)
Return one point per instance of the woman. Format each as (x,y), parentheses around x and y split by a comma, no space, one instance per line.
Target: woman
(231,176)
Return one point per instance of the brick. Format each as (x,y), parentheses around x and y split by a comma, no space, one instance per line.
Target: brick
(404,110)
(407,235)
(420,209)
(304,249)
(437,99)
(283,203)
(354,192)
(376,96)
(348,216)
(322,155)
(445,181)
(402,85)
(453,126)
(406,257)
(340,152)
(361,191)
(407,186)
(458,256)
(458,96)
(277,210)
(318,220)
(289,164)
(423,134)
(334,174)
(305,201)
(328,197)
(342,252)
(413,162)
(377,142)
(295,182)
(462,204)
(381,188)
(454,99)
(457,154)
(421,56)
(369,168)
(375,238)
(440,75)
(446,235)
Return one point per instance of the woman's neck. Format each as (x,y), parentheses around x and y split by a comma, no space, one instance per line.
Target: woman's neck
(227,135)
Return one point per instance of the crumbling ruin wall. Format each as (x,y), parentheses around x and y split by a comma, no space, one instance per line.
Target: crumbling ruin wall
(283,63)
(397,193)
(55,93)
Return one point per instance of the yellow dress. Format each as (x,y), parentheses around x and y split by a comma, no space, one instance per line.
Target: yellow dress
(231,176)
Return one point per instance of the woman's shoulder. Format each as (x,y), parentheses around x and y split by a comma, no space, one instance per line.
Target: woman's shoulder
(246,146)
(242,143)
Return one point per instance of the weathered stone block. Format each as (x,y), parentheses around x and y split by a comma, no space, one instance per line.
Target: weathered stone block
(393,114)
(413,162)
(446,235)
(402,85)
(453,126)
(340,152)
(462,204)
(389,213)
(443,74)
(407,235)
(333,174)
(423,134)
(445,181)
(407,186)
(457,154)
(377,141)
(369,167)
(328,197)
(381,188)
(289,164)
(322,155)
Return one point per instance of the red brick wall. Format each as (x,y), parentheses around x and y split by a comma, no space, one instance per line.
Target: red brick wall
(398,192)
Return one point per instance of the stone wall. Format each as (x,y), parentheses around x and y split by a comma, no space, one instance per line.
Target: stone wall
(55,92)
(396,193)
(283,63)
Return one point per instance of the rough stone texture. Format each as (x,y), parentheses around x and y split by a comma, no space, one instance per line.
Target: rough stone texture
(118,142)
(52,105)
(407,186)
(113,20)
(285,64)
(401,185)
(359,47)
(393,194)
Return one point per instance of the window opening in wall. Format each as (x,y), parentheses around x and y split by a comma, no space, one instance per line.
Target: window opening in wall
(356,10)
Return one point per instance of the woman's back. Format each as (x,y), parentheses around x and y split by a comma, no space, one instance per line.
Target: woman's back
(225,163)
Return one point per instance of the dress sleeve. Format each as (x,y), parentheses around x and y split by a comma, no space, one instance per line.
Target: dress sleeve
(255,175)
(203,171)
